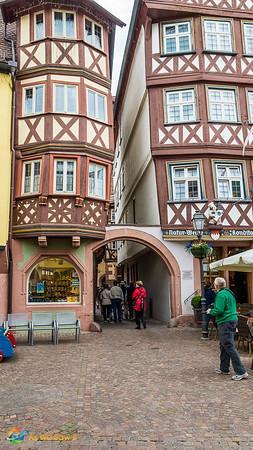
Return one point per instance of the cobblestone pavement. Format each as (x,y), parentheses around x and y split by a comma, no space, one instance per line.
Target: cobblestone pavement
(125,388)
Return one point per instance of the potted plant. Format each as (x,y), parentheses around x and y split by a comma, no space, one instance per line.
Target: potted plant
(197,309)
(199,249)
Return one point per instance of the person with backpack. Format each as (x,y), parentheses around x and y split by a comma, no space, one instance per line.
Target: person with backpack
(225,313)
(139,296)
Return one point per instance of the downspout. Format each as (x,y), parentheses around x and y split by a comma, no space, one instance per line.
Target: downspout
(13,66)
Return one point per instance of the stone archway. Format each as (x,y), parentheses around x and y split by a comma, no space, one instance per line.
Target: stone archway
(140,236)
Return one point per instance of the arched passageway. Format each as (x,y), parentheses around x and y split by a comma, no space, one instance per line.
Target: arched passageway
(147,239)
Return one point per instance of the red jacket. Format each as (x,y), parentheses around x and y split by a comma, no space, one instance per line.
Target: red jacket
(139,295)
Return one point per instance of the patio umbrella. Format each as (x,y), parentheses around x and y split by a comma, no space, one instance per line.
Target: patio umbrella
(242,262)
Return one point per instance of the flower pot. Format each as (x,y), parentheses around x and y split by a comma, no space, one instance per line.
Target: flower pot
(198,315)
(201,252)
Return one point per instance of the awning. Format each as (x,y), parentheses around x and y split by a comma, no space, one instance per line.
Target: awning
(242,262)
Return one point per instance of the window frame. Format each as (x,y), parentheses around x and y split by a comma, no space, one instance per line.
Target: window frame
(64,191)
(97,164)
(170,166)
(229,163)
(93,22)
(65,85)
(64,12)
(97,93)
(249,90)
(33,87)
(237,104)
(25,163)
(243,23)
(44,25)
(177,22)
(181,89)
(218,19)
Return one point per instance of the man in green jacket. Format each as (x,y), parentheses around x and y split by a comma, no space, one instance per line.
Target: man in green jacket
(226,318)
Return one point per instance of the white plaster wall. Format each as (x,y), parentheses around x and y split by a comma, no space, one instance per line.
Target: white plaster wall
(155,276)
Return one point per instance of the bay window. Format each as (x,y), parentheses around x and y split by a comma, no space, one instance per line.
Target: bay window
(177,37)
(31,177)
(93,33)
(64,176)
(34,100)
(39,26)
(218,35)
(96,105)
(65,99)
(229,178)
(64,24)
(97,180)
(181,105)
(222,105)
(185,181)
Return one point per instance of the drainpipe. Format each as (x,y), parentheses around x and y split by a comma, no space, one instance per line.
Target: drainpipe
(13,66)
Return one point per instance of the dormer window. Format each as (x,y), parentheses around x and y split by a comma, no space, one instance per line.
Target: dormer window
(64,24)
(39,26)
(93,34)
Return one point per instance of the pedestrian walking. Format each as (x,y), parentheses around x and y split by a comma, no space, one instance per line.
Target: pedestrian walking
(117,298)
(106,303)
(210,298)
(224,311)
(139,296)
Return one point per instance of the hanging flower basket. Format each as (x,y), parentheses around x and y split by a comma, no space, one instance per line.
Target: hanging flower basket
(199,249)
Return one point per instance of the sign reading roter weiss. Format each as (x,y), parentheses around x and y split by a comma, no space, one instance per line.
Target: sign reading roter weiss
(208,234)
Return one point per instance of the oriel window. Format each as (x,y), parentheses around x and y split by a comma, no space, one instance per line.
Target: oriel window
(222,105)
(97,180)
(181,105)
(177,37)
(64,176)
(31,177)
(65,99)
(34,100)
(96,105)
(218,35)
(93,33)
(185,182)
(64,24)
(229,181)
(39,31)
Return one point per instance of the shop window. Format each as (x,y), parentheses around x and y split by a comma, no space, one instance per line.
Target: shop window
(34,100)
(54,280)
(39,26)
(181,106)
(229,181)
(93,34)
(177,37)
(64,176)
(222,105)
(65,98)
(97,180)
(64,24)
(96,105)
(218,35)
(31,177)
(185,181)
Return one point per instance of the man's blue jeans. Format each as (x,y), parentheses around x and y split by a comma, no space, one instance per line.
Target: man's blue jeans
(227,348)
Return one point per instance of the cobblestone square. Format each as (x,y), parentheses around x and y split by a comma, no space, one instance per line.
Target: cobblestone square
(125,388)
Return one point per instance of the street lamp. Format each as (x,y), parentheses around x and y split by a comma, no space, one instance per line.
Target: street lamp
(198,222)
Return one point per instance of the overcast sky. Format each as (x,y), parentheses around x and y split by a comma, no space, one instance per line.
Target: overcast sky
(123,10)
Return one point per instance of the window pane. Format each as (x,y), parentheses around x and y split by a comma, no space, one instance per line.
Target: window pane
(236,189)
(72,99)
(91,104)
(222,171)
(193,191)
(179,190)
(179,173)
(27,184)
(70,176)
(188,113)
(28,101)
(174,114)
(100,182)
(59,176)
(183,28)
(92,179)
(88,31)
(192,172)
(171,45)
(39,99)
(70,25)
(234,172)
(59,98)
(101,107)
(184,43)
(36,177)
(98,36)
(170,29)
(39,26)
(58,24)
(223,188)
(249,45)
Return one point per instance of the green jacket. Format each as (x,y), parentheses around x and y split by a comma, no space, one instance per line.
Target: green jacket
(224,308)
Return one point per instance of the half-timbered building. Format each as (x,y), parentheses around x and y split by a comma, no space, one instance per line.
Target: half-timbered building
(64,149)
(183,111)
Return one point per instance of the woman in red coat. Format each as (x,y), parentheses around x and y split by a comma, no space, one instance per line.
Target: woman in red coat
(139,296)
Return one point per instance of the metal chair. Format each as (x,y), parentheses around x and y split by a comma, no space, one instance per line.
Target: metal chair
(244,333)
(66,320)
(43,321)
(19,322)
